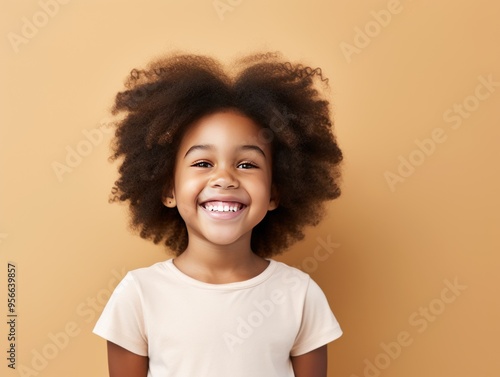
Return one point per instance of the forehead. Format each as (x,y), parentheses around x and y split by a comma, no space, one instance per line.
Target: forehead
(225,129)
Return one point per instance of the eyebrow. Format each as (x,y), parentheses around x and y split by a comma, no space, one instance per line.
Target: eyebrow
(245,147)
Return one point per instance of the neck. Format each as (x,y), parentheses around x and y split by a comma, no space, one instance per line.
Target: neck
(220,263)
(219,256)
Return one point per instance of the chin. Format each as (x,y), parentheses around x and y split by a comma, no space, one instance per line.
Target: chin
(220,239)
(222,242)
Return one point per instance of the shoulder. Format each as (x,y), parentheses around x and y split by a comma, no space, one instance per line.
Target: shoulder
(281,268)
(290,276)
(296,280)
(145,276)
(154,269)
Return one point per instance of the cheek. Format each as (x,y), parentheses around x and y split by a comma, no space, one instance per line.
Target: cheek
(262,188)
(186,197)
(187,188)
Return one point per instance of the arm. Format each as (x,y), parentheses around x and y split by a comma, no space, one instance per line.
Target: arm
(123,363)
(311,364)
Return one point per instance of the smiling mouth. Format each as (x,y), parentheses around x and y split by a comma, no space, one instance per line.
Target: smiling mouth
(217,206)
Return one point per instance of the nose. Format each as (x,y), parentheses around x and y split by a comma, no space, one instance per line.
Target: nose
(222,178)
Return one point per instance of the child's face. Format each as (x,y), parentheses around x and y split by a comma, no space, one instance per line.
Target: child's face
(222,182)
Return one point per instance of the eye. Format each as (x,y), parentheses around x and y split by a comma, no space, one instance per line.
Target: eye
(247,165)
(201,164)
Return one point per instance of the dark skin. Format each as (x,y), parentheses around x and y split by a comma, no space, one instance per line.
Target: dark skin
(123,363)
(311,364)
(216,159)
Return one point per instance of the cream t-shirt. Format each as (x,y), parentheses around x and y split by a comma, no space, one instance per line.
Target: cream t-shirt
(189,328)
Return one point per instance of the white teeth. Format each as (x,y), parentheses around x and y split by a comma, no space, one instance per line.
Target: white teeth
(222,208)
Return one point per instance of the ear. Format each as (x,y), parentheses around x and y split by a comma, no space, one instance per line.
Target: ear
(168,198)
(169,202)
(274,201)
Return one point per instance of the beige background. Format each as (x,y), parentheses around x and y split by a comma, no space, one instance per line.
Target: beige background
(394,248)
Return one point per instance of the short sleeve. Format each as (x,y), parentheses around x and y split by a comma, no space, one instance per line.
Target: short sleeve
(318,326)
(122,320)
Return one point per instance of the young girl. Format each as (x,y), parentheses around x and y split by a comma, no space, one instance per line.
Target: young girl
(226,168)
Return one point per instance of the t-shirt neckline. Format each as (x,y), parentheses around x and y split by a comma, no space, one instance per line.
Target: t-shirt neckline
(256,280)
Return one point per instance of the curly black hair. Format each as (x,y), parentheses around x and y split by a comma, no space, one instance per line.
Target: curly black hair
(161,101)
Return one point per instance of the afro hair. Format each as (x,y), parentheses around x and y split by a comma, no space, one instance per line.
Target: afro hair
(163,100)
